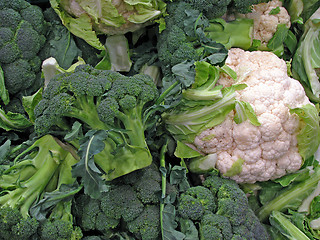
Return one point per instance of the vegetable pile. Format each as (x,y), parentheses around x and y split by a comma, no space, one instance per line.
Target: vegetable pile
(156,119)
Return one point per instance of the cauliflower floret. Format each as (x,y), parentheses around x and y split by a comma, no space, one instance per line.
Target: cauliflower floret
(265,24)
(219,137)
(269,150)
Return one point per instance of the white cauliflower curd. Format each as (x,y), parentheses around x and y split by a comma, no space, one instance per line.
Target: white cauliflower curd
(270,150)
(266,21)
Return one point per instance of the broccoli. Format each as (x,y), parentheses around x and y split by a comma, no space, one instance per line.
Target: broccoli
(230,218)
(59,229)
(42,167)
(22,29)
(194,29)
(14,226)
(215,225)
(195,201)
(122,209)
(103,101)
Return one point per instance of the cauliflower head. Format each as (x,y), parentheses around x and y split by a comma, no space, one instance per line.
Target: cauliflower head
(269,150)
(281,132)
(88,19)
(267,16)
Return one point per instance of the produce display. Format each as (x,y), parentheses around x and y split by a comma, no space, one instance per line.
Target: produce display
(159,120)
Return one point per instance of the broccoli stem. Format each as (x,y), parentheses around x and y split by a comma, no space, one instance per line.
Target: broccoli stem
(86,111)
(46,162)
(163,181)
(132,120)
(26,194)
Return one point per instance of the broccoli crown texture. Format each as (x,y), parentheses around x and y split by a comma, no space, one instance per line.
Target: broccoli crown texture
(221,210)
(59,229)
(131,206)
(14,226)
(99,98)
(103,101)
(22,29)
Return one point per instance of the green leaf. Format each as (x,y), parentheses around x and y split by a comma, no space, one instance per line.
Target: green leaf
(75,133)
(189,229)
(227,70)
(291,197)
(30,102)
(245,111)
(185,73)
(276,42)
(49,200)
(5,150)
(202,69)
(203,164)
(103,11)
(274,11)
(4,95)
(291,42)
(178,177)
(13,121)
(235,169)
(169,224)
(184,151)
(91,175)
(286,227)
(81,26)
(309,135)
(64,48)
(298,176)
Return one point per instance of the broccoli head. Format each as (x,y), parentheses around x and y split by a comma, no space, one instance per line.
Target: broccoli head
(123,209)
(229,215)
(14,226)
(195,201)
(101,100)
(214,226)
(22,29)
(59,229)
(42,167)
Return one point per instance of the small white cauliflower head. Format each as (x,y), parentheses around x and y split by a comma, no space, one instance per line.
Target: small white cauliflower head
(269,150)
(267,16)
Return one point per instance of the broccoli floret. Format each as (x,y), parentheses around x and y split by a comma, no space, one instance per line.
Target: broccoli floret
(194,29)
(122,209)
(101,100)
(15,106)
(59,229)
(146,226)
(212,225)
(14,226)
(229,214)
(18,76)
(22,29)
(195,201)
(115,203)
(243,6)
(211,9)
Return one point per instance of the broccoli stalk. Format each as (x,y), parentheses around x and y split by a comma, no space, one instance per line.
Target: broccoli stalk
(35,172)
(111,108)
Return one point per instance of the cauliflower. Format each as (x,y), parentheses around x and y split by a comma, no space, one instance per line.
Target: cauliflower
(270,150)
(247,152)
(265,21)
